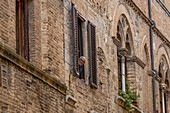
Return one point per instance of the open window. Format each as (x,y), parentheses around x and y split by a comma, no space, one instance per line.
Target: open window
(77,24)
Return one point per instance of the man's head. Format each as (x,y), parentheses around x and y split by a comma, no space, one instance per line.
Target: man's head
(82,60)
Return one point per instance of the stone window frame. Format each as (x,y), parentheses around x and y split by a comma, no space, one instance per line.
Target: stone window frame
(163,84)
(3,77)
(126,51)
(122,51)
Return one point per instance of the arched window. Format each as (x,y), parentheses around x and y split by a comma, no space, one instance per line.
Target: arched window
(166,92)
(123,50)
(164,85)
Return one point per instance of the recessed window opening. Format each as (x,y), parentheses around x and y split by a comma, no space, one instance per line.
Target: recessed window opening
(80,44)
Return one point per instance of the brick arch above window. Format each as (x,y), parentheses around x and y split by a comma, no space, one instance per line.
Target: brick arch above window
(161,51)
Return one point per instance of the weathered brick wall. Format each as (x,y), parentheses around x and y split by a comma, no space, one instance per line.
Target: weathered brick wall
(7,23)
(161,17)
(107,72)
(27,93)
(8,28)
(158,14)
(35,49)
(51,48)
(52,38)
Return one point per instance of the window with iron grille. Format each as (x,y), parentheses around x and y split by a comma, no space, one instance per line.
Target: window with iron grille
(22,29)
(77,24)
(92,54)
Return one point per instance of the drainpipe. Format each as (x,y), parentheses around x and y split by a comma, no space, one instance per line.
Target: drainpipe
(152,57)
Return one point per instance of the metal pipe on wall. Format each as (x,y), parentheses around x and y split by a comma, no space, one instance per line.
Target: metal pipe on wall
(152,56)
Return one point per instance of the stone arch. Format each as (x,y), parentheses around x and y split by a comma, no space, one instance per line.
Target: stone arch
(160,52)
(145,41)
(163,73)
(163,67)
(167,78)
(119,10)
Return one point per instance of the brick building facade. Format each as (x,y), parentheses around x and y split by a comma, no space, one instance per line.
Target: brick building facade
(122,40)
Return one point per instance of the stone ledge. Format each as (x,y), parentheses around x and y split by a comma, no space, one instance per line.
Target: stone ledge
(9,55)
(71,100)
(116,41)
(152,73)
(137,60)
(121,101)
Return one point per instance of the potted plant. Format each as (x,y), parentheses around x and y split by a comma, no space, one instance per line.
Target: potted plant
(130,96)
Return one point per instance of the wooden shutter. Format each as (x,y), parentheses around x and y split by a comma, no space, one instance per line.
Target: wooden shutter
(92,55)
(75,38)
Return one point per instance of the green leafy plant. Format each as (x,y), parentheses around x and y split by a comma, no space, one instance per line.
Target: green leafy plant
(130,96)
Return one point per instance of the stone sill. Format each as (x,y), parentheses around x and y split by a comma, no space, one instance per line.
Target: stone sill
(9,55)
(71,100)
(121,101)
(152,73)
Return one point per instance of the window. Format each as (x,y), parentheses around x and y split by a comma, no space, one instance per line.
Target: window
(92,54)
(22,29)
(164,85)
(77,24)
(3,75)
(126,68)
(119,72)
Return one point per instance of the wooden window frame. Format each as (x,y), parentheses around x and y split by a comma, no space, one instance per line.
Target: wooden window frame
(92,55)
(22,28)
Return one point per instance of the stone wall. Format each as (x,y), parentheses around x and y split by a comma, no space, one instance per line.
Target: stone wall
(52,20)
(26,93)
(39,85)
(103,98)
(26,88)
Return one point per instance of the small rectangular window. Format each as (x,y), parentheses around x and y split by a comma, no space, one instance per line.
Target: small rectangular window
(3,75)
